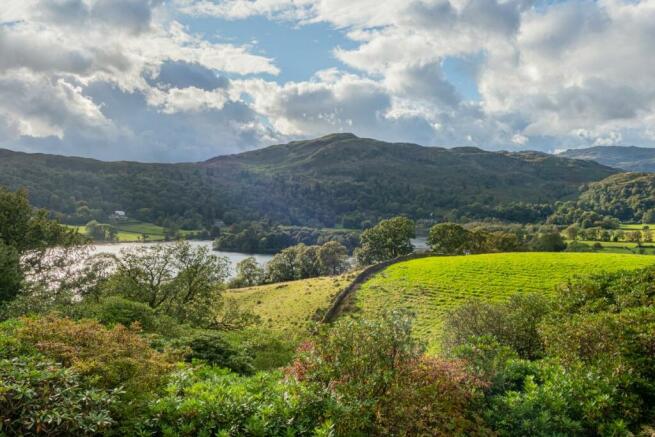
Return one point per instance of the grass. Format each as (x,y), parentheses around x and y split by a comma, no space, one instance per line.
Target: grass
(432,286)
(289,306)
(636,226)
(133,230)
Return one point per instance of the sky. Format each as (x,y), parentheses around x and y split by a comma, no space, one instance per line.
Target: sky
(186,80)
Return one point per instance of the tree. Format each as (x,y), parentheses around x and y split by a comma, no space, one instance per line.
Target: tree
(25,237)
(649,216)
(307,262)
(178,279)
(571,232)
(387,240)
(11,274)
(333,258)
(282,266)
(549,242)
(248,273)
(449,239)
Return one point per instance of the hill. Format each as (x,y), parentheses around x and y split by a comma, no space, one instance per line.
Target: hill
(637,159)
(431,286)
(287,307)
(334,180)
(628,197)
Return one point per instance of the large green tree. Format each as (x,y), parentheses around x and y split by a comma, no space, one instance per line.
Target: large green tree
(177,279)
(26,234)
(387,240)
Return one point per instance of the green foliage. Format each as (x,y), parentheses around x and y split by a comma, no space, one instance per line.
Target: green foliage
(213,401)
(177,280)
(214,349)
(115,310)
(110,357)
(248,273)
(549,242)
(449,239)
(11,274)
(39,396)
(558,401)
(387,240)
(453,239)
(256,237)
(625,197)
(513,323)
(377,383)
(302,262)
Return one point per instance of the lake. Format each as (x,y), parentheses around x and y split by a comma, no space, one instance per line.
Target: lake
(234,257)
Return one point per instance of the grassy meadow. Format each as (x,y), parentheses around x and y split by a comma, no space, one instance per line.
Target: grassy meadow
(288,306)
(431,286)
(134,230)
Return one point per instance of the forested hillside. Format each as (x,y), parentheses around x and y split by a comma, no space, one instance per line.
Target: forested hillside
(334,180)
(627,197)
(626,158)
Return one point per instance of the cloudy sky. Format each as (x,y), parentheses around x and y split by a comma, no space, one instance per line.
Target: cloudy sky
(185,80)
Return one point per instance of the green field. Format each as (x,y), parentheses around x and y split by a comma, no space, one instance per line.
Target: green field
(432,286)
(288,306)
(636,226)
(133,230)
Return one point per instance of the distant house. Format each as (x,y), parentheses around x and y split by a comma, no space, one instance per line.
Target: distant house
(118,215)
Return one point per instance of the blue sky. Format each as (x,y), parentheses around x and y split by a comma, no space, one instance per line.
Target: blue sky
(185,80)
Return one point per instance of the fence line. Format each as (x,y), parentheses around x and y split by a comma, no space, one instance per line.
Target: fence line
(337,304)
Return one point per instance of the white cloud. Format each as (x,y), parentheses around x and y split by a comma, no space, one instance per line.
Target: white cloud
(577,72)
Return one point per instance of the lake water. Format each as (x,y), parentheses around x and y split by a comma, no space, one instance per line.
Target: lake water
(234,257)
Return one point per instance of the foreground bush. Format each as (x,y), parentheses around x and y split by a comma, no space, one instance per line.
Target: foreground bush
(111,357)
(213,401)
(378,382)
(513,323)
(39,396)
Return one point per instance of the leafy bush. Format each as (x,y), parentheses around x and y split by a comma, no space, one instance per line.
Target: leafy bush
(213,401)
(110,357)
(39,396)
(513,323)
(214,349)
(115,310)
(376,381)
(559,401)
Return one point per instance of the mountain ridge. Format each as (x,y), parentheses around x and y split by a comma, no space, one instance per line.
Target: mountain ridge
(628,158)
(335,180)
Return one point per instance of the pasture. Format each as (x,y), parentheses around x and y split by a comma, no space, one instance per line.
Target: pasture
(289,306)
(432,286)
(134,230)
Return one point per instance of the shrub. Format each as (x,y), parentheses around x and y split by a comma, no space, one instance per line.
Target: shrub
(39,396)
(110,357)
(608,292)
(214,349)
(513,323)
(115,310)
(376,381)
(559,401)
(212,401)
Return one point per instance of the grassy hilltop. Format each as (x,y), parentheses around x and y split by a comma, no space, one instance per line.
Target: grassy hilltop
(432,286)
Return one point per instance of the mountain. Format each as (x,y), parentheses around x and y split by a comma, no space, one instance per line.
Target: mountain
(338,179)
(636,159)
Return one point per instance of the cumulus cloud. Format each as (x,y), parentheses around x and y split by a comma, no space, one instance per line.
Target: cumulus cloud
(125,78)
